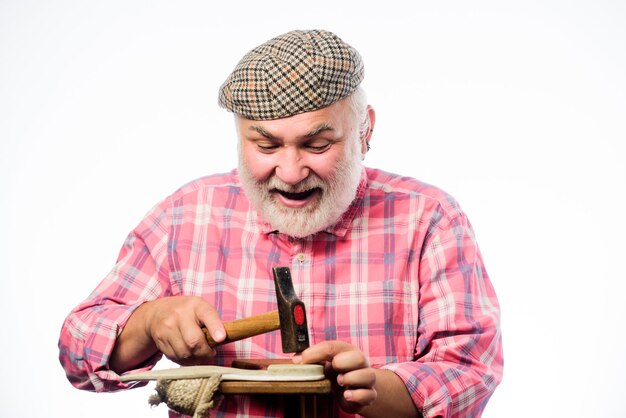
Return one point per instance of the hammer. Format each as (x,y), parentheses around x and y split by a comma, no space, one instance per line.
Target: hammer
(290,318)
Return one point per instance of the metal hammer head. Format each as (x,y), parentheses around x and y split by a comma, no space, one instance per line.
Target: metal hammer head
(294,331)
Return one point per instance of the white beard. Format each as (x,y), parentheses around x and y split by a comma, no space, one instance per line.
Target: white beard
(335,196)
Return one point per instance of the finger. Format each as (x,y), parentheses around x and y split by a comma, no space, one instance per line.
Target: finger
(324,351)
(181,351)
(208,316)
(172,347)
(195,341)
(165,348)
(358,398)
(180,345)
(349,360)
(361,378)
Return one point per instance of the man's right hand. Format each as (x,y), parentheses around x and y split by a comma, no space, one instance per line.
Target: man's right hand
(171,325)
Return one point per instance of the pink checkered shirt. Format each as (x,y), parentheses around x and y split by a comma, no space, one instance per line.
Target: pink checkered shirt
(400,277)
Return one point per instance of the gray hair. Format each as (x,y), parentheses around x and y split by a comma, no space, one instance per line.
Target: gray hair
(358,105)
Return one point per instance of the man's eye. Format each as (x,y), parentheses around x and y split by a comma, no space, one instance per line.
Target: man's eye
(267,148)
(318,148)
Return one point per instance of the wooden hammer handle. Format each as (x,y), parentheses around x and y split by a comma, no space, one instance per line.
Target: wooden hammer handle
(246,327)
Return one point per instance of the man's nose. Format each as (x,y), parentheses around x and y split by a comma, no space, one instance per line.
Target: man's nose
(291,167)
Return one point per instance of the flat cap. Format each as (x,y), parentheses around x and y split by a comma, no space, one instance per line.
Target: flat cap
(299,71)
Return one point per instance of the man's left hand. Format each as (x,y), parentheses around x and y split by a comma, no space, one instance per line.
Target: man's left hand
(348,368)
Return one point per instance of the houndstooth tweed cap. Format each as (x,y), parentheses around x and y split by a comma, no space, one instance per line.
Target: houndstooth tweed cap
(296,72)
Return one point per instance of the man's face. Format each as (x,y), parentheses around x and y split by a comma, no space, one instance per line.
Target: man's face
(301,172)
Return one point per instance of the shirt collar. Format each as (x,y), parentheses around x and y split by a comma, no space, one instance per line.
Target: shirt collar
(345,222)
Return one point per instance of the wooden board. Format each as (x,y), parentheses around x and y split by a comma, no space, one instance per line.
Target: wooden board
(318,387)
(296,388)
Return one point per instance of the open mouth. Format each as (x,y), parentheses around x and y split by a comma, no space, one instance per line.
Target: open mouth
(297,196)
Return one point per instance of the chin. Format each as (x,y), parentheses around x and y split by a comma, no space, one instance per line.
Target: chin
(300,222)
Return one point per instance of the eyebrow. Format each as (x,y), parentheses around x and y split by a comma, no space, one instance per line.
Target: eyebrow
(262,131)
(322,127)
(319,129)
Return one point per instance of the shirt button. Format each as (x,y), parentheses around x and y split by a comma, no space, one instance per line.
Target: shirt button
(301,257)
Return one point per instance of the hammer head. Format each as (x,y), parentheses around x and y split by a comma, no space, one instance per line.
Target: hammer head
(294,331)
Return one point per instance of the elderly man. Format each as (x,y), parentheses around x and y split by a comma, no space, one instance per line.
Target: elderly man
(400,307)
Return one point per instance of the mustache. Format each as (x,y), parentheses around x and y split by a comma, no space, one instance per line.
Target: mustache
(312,181)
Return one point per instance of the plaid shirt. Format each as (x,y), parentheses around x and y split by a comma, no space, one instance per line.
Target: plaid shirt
(400,277)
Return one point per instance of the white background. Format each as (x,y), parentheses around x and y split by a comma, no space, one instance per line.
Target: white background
(515,108)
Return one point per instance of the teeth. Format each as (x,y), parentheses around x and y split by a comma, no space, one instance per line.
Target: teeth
(297,196)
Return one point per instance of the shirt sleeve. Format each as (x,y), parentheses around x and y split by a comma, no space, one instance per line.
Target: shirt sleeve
(459,352)
(89,333)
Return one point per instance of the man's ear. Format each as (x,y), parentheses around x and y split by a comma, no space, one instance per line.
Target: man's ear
(367,135)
